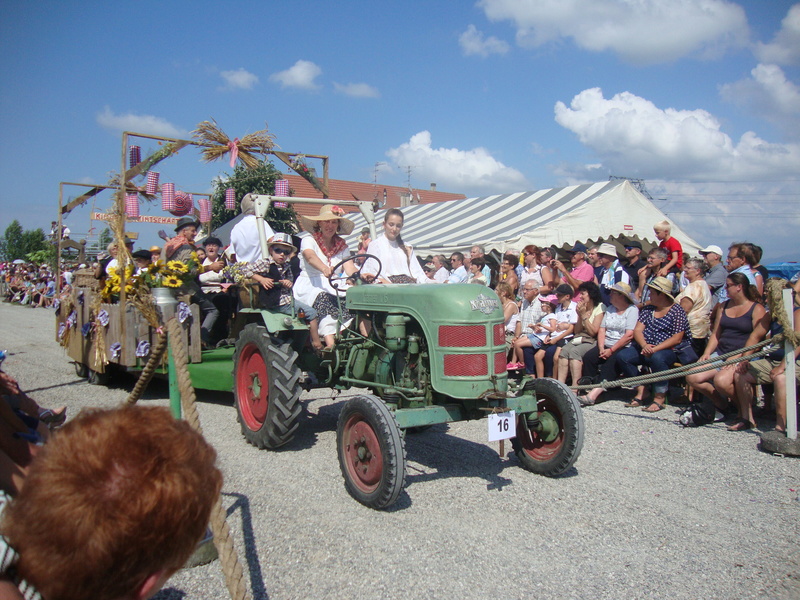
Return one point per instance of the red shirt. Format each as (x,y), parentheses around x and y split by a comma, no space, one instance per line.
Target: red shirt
(672,245)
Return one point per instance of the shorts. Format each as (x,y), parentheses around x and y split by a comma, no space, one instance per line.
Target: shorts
(760,370)
(575,351)
(535,340)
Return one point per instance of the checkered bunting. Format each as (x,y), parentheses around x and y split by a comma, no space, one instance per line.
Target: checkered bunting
(230,199)
(282,187)
(151,187)
(205,210)
(132,206)
(168,197)
(134,156)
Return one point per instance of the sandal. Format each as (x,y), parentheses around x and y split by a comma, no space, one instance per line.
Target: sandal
(653,407)
(741,425)
(635,403)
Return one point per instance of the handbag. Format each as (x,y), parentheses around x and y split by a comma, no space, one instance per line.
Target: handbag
(685,353)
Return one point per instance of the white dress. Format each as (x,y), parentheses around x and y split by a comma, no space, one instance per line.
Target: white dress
(393,260)
(311,281)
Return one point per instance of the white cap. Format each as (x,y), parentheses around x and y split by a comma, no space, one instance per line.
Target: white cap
(712,248)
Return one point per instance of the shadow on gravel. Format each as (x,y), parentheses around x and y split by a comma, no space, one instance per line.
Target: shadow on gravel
(257,587)
(449,456)
(311,425)
(52,387)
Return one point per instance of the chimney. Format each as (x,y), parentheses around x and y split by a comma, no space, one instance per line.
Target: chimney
(433,186)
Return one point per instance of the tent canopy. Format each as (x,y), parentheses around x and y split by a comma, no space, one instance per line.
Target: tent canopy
(609,211)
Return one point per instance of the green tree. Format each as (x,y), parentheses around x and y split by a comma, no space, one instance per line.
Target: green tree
(260,180)
(33,240)
(105,239)
(11,246)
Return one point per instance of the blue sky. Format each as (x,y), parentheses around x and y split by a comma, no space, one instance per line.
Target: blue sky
(699,98)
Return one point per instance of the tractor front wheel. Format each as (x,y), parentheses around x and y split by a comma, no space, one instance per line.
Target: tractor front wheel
(549,441)
(266,388)
(372,454)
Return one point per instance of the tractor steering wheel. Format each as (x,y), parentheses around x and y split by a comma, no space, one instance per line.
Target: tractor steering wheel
(357,274)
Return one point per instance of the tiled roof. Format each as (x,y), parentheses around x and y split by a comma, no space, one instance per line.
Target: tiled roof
(354,190)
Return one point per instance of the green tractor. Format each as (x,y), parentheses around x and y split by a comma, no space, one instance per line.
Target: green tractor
(434,354)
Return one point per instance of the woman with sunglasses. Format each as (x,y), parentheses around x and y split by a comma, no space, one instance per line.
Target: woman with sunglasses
(741,322)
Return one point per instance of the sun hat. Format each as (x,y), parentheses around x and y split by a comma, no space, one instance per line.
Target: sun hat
(712,248)
(663,285)
(185,222)
(143,254)
(155,248)
(607,249)
(282,239)
(623,289)
(327,213)
(551,299)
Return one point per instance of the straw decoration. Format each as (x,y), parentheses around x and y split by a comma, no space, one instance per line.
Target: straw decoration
(218,144)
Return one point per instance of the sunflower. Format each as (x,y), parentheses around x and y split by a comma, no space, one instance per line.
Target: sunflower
(115,289)
(177,266)
(171,281)
(111,271)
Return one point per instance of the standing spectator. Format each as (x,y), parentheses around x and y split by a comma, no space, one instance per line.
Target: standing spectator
(674,264)
(581,270)
(441,273)
(695,300)
(458,274)
(531,268)
(611,271)
(633,262)
(716,272)
(550,276)
(478,251)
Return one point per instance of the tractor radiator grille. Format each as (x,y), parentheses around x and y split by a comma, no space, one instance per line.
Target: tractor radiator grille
(499,334)
(462,336)
(500,363)
(473,365)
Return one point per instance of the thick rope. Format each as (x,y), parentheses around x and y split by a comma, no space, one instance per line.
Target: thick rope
(234,575)
(149,369)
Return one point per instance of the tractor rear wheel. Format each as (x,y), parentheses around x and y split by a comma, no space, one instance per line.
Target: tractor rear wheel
(549,441)
(372,454)
(266,388)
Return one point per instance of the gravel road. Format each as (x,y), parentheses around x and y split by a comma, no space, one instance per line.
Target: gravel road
(651,510)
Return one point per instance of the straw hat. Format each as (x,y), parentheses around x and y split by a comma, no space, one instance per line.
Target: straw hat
(155,248)
(624,289)
(282,239)
(663,285)
(329,212)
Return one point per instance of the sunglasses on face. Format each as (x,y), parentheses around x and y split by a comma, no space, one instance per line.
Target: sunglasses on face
(281,250)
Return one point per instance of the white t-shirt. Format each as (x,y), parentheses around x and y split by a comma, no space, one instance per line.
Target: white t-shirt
(616,324)
(394,261)
(565,315)
(244,239)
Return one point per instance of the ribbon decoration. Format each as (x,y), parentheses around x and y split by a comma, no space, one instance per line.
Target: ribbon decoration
(72,319)
(56,305)
(86,329)
(142,348)
(61,329)
(102,318)
(234,148)
(115,349)
(183,311)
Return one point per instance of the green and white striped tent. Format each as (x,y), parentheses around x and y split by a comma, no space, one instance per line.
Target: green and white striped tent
(608,211)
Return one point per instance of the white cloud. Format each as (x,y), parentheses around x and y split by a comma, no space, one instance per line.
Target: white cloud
(301,76)
(768,93)
(785,46)
(468,171)
(639,31)
(239,79)
(632,136)
(472,42)
(139,124)
(357,90)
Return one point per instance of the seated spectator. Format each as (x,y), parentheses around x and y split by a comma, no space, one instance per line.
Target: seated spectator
(764,371)
(594,259)
(673,248)
(510,311)
(752,255)
(655,264)
(695,300)
(740,322)
(615,334)
(736,262)
(537,333)
(661,328)
(531,269)
(476,275)
(590,309)
(134,489)
(478,251)
(529,314)
(566,317)
(715,271)
(441,273)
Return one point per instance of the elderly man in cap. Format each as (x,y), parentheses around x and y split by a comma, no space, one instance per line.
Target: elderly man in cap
(633,261)
(581,270)
(244,236)
(716,274)
(612,271)
(181,248)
